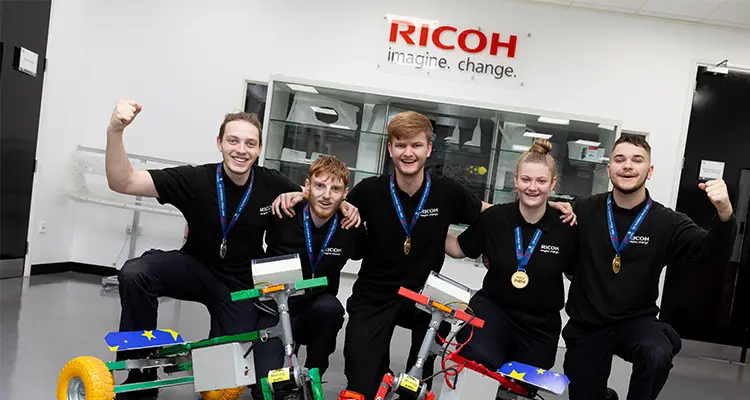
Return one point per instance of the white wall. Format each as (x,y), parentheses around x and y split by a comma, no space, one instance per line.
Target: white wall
(186,62)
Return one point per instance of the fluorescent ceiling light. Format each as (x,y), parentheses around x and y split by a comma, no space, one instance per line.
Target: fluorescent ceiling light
(588,143)
(339,126)
(537,135)
(555,121)
(322,110)
(302,88)
(607,127)
(519,147)
(604,159)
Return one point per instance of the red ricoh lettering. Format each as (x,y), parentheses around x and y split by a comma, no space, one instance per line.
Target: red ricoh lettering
(447,37)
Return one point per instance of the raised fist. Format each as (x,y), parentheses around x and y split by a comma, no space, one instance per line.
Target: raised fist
(123,115)
(716,190)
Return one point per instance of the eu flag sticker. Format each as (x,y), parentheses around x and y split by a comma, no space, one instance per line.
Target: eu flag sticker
(119,341)
(549,381)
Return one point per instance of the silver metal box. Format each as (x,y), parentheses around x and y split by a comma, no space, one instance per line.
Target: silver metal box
(277,270)
(446,291)
(223,367)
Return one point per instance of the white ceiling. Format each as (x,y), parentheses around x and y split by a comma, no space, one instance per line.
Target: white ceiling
(732,13)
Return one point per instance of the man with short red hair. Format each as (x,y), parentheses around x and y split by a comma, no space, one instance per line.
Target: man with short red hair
(315,234)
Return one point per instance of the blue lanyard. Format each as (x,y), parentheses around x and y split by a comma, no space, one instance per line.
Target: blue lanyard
(420,206)
(523,258)
(308,238)
(633,227)
(223,202)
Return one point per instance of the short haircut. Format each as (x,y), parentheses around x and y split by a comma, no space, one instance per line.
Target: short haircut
(407,124)
(241,116)
(635,140)
(331,166)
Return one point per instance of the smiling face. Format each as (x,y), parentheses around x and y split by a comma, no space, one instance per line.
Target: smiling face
(240,146)
(534,181)
(629,167)
(326,194)
(410,154)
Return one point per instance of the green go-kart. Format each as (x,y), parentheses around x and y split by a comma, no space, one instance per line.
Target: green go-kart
(219,368)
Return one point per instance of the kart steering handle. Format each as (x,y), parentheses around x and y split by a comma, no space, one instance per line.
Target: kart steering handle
(424,300)
(297,286)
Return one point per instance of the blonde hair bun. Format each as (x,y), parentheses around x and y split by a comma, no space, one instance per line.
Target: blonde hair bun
(542,146)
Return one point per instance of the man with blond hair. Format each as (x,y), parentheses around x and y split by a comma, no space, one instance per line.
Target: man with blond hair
(407,215)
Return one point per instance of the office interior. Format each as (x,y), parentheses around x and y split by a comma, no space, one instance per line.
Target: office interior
(325,79)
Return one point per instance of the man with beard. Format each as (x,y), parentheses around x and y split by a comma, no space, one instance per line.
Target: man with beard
(624,245)
(323,248)
(227,206)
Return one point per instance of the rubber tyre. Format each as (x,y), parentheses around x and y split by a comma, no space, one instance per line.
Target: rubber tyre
(96,377)
(223,394)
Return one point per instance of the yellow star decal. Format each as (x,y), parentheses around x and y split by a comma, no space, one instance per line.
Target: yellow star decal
(113,348)
(540,371)
(149,335)
(514,374)
(171,332)
(557,375)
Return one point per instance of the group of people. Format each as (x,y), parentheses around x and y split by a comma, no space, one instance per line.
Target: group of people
(611,246)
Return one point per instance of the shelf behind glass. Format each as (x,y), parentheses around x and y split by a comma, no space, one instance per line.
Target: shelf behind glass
(342,131)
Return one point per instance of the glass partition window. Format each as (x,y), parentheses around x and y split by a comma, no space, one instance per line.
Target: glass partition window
(478,147)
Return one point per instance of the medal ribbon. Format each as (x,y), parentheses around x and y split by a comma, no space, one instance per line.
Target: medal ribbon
(223,202)
(420,206)
(308,237)
(523,258)
(633,227)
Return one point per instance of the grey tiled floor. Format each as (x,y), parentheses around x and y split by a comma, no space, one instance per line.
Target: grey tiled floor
(48,319)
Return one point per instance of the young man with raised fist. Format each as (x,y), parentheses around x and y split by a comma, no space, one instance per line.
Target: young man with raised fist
(227,208)
(324,248)
(625,243)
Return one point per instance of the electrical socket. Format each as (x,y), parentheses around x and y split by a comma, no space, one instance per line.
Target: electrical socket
(129,230)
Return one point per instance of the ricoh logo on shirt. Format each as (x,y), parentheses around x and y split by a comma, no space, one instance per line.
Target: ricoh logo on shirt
(548,248)
(265,210)
(332,251)
(429,212)
(639,240)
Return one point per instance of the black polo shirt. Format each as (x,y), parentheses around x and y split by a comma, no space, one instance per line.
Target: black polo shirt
(287,236)
(598,296)
(192,189)
(555,254)
(385,267)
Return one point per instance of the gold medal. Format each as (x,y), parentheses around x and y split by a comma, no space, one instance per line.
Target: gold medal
(407,245)
(519,279)
(616,264)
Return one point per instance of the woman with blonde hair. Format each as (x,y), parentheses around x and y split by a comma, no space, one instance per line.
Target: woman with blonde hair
(528,249)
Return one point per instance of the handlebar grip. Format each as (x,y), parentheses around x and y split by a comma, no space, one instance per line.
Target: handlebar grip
(411,295)
(311,283)
(245,294)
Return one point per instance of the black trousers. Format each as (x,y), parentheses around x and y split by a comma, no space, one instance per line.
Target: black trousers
(649,344)
(510,335)
(368,340)
(177,275)
(316,323)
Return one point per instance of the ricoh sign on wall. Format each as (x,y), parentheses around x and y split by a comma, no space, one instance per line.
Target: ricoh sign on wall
(429,47)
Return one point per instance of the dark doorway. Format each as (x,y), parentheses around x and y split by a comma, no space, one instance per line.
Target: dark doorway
(711,302)
(23,25)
